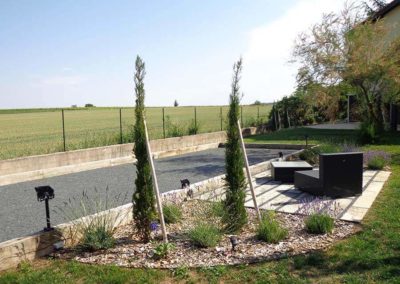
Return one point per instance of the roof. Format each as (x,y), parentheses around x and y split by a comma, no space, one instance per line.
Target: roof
(389,7)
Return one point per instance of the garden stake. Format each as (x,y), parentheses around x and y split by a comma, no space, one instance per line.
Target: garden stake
(248,172)
(155,184)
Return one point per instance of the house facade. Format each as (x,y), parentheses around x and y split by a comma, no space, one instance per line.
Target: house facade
(390,14)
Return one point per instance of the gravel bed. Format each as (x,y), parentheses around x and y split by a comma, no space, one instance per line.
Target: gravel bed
(130,252)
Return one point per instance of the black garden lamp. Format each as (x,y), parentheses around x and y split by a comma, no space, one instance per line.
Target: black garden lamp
(44,193)
(234,241)
(306,137)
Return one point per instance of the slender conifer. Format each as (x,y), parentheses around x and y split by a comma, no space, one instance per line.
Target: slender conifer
(235,213)
(143,198)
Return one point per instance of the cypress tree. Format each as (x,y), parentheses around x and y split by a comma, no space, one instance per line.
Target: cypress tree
(235,216)
(143,198)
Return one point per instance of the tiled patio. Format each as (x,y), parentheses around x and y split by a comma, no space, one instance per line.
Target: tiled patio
(272,195)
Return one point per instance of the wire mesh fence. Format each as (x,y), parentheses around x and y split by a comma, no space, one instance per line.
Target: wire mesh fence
(33,133)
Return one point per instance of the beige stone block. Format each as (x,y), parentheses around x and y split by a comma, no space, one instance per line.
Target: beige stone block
(382,176)
(354,214)
(375,186)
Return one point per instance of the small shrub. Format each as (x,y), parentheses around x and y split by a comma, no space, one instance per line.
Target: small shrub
(193,128)
(367,133)
(92,232)
(349,147)
(217,209)
(204,235)
(269,230)
(376,160)
(328,148)
(315,205)
(172,213)
(174,129)
(376,163)
(310,155)
(97,238)
(162,250)
(318,223)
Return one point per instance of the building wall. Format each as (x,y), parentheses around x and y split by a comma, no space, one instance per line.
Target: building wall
(392,21)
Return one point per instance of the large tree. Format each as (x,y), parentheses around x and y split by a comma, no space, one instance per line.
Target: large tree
(143,198)
(235,212)
(353,52)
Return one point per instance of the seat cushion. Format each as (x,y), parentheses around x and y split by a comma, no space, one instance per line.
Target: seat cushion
(309,182)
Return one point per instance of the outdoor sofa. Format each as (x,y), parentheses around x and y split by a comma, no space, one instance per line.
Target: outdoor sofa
(339,175)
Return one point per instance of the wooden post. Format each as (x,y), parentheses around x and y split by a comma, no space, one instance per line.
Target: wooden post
(195,119)
(155,185)
(163,121)
(63,128)
(248,172)
(120,126)
(220,113)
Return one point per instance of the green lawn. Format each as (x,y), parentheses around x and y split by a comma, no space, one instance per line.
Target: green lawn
(39,131)
(297,136)
(370,256)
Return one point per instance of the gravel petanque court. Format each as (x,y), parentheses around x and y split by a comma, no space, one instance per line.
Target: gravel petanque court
(22,214)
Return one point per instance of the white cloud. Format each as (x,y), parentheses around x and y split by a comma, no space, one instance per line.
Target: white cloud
(267,75)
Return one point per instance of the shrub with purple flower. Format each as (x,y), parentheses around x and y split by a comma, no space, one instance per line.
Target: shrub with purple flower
(153,226)
(349,147)
(376,160)
(317,205)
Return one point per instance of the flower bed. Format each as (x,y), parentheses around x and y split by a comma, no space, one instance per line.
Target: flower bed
(129,252)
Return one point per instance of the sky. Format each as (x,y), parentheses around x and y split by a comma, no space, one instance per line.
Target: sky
(63,53)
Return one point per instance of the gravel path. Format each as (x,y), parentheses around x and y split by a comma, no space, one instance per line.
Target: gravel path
(22,214)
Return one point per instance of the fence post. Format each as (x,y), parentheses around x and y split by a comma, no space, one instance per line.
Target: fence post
(163,121)
(195,119)
(241,116)
(220,113)
(258,113)
(63,128)
(120,125)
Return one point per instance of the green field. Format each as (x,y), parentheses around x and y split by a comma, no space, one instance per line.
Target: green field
(39,131)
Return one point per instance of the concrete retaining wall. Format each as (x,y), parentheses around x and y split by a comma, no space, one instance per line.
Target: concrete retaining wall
(44,166)
(61,159)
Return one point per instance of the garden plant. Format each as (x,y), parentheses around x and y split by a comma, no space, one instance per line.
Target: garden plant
(143,197)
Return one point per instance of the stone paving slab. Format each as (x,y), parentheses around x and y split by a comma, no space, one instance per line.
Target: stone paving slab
(272,195)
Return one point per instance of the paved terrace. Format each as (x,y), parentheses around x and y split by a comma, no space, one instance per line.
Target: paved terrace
(274,195)
(22,214)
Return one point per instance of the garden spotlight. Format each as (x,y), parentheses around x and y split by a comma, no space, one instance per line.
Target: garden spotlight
(44,193)
(234,241)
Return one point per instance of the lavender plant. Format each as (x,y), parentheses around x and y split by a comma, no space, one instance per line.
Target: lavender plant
(349,147)
(93,218)
(376,160)
(317,205)
(320,213)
